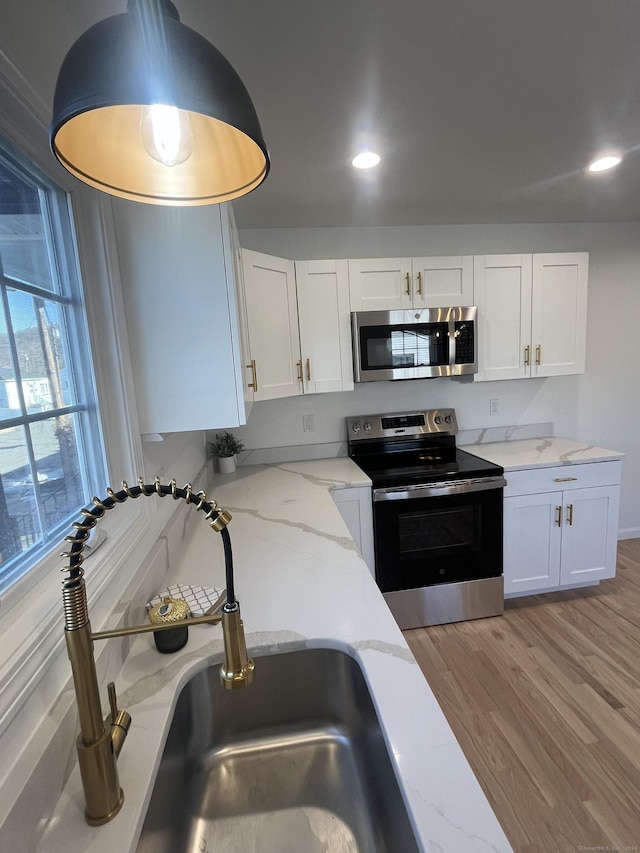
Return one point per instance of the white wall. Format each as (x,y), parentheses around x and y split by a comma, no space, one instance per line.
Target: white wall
(600,407)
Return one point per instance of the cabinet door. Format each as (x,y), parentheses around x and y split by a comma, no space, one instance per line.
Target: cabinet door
(532,543)
(179,293)
(246,366)
(325,327)
(502,292)
(442,282)
(356,509)
(272,319)
(380,284)
(589,534)
(559,313)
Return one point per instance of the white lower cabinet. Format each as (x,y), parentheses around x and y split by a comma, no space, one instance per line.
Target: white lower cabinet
(356,509)
(560,527)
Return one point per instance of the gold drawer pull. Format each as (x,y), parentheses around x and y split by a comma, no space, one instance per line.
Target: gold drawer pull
(408,288)
(420,284)
(308,370)
(538,355)
(254,375)
(300,376)
(564,479)
(527,356)
(570,514)
(559,516)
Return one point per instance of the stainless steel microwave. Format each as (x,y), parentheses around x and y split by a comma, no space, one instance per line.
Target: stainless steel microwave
(414,344)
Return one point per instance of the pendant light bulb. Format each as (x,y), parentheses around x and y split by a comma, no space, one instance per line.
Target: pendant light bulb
(166,134)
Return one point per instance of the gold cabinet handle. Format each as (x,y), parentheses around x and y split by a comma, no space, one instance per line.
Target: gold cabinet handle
(308,370)
(527,356)
(408,287)
(300,377)
(564,479)
(570,514)
(254,375)
(538,354)
(559,516)
(420,283)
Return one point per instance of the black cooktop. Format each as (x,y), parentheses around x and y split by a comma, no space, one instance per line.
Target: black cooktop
(413,448)
(387,470)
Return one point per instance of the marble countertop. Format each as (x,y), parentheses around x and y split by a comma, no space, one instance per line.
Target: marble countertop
(541,453)
(301,583)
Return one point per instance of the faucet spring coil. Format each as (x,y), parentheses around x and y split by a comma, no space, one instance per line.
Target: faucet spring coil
(217,518)
(74,600)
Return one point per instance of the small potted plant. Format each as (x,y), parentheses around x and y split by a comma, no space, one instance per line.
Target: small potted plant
(225,447)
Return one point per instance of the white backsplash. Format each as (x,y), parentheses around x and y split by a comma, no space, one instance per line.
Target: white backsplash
(333,450)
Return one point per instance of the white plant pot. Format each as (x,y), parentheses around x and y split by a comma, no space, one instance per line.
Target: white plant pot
(227,464)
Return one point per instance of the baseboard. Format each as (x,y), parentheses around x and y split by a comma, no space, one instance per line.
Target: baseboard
(629,533)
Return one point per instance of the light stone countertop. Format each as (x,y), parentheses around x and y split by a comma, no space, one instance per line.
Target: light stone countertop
(541,453)
(301,583)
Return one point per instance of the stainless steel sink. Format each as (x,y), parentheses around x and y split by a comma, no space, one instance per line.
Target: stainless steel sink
(296,763)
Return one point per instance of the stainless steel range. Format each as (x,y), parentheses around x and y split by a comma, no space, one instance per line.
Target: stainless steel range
(437,517)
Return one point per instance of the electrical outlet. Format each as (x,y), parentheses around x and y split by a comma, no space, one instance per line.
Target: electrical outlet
(308,424)
(494,407)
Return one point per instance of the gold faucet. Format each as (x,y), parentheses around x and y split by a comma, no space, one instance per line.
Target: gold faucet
(100,741)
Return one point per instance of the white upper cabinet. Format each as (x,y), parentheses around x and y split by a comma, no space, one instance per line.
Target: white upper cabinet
(532,314)
(325,330)
(299,326)
(177,279)
(559,314)
(272,322)
(502,292)
(380,284)
(442,282)
(387,284)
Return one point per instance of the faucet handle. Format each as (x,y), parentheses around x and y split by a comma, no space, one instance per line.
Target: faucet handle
(113,702)
(119,720)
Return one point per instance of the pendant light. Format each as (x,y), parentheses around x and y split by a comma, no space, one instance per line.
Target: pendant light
(147,109)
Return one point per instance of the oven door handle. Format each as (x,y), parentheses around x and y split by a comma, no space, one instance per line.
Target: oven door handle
(450,487)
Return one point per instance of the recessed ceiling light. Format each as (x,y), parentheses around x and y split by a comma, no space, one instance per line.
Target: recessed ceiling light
(366,160)
(604,163)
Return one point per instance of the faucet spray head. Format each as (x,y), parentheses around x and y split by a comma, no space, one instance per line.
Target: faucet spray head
(237,669)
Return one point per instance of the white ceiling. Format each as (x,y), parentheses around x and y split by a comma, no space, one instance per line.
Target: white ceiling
(484,111)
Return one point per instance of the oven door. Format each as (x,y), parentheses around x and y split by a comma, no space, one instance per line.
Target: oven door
(438,533)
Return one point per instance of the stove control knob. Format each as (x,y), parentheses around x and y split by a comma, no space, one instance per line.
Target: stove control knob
(367,426)
(438,420)
(355,427)
(448,419)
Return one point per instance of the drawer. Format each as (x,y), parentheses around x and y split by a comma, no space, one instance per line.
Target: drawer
(561,478)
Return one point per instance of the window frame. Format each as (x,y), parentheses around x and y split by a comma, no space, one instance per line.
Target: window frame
(66,292)
(33,662)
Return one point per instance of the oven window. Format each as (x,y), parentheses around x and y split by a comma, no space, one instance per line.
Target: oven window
(433,540)
(442,530)
(386,347)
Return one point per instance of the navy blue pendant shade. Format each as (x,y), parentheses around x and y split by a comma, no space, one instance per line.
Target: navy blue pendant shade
(147,109)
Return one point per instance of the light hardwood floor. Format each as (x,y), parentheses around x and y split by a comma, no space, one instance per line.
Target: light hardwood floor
(545,702)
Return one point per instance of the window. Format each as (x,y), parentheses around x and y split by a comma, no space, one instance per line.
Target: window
(51,454)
